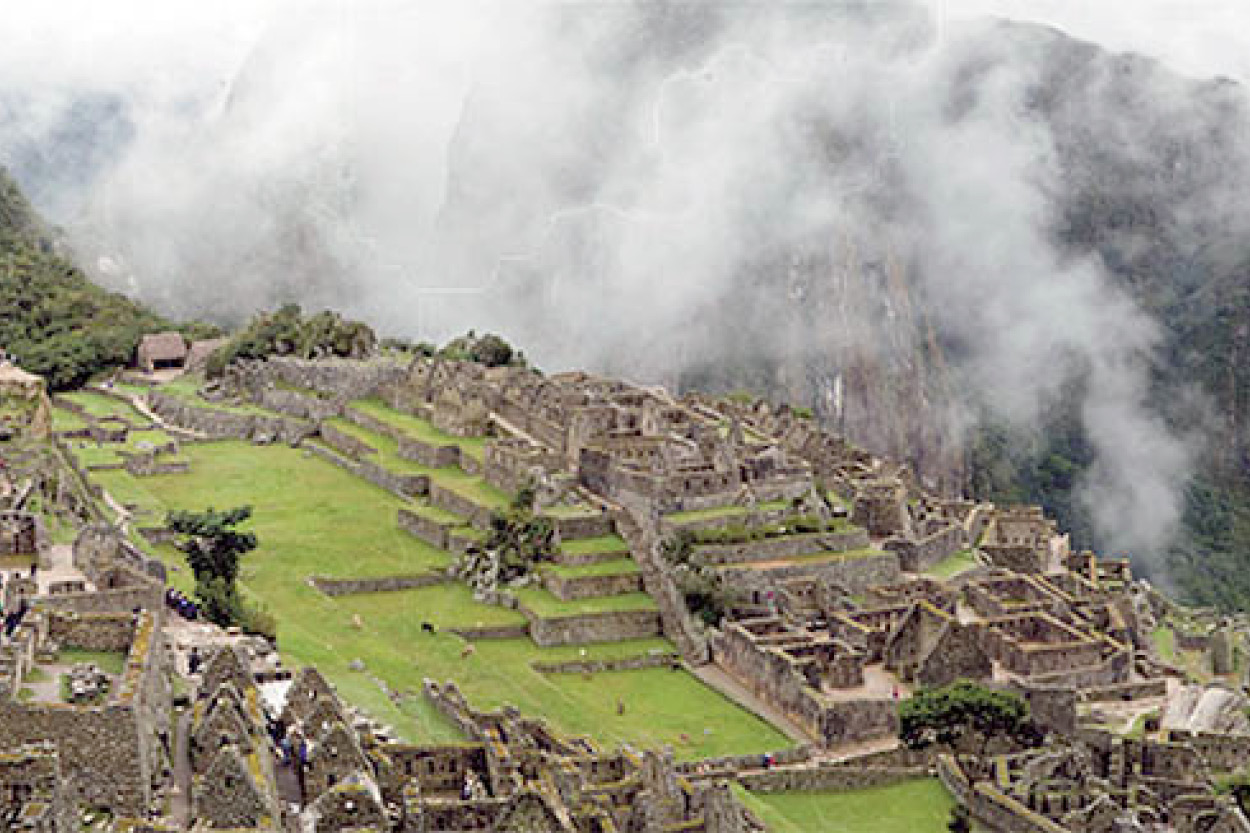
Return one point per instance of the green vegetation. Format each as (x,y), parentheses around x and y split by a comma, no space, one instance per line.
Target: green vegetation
(953,564)
(55,321)
(962,713)
(420,429)
(488,349)
(337,525)
(110,662)
(286,332)
(519,539)
(615,567)
(98,405)
(1165,642)
(790,525)
(918,806)
(584,546)
(213,547)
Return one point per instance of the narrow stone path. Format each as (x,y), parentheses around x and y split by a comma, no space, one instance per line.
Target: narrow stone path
(734,690)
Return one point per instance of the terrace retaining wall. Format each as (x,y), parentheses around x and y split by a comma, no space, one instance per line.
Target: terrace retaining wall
(568,588)
(592,627)
(380,584)
(786,546)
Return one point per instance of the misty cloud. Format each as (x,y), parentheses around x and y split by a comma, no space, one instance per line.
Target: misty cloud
(608,183)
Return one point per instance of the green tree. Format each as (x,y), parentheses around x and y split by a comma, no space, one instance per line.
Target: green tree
(962,713)
(211,542)
(213,546)
(521,538)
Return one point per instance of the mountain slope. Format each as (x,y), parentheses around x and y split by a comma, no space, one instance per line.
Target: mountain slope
(55,320)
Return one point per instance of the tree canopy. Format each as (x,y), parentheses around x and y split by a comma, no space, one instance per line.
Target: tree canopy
(287,332)
(961,713)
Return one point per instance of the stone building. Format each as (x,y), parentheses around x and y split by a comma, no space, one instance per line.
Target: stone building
(161,351)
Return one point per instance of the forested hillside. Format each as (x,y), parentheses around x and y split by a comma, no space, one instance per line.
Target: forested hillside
(57,322)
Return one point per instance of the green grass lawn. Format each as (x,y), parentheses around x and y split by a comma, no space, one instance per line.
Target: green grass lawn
(66,420)
(615,567)
(1165,641)
(420,429)
(953,565)
(918,806)
(110,662)
(99,405)
(90,453)
(606,543)
(187,388)
(387,449)
(313,517)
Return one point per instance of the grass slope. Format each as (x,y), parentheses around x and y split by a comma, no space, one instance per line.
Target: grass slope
(919,806)
(315,518)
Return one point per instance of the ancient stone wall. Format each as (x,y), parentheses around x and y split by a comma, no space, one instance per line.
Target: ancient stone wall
(118,600)
(782,547)
(596,666)
(568,588)
(92,632)
(429,454)
(404,485)
(597,627)
(990,806)
(1225,753)
(828,777)
(337,378)
(381,584)
(918,555)
(583,526)
(428,529)
(444,498)
(854,573)
(345,443)
(221,424)
(298,405)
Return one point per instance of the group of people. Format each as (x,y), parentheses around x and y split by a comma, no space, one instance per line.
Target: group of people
(178,602)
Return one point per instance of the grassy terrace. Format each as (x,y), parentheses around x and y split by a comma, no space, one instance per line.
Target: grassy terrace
(313,517)
(457,480)
(99,405)
(717,512)
(918,806)
(91,454)
(1165,642)
(615,567)
(387,450)
(63,420)
(110,662)
(187,388)
(953,564)
(606,543)
(420,429)
(547,606)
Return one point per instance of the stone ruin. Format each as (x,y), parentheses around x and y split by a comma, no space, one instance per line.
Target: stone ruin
(86,683)
(837,614)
